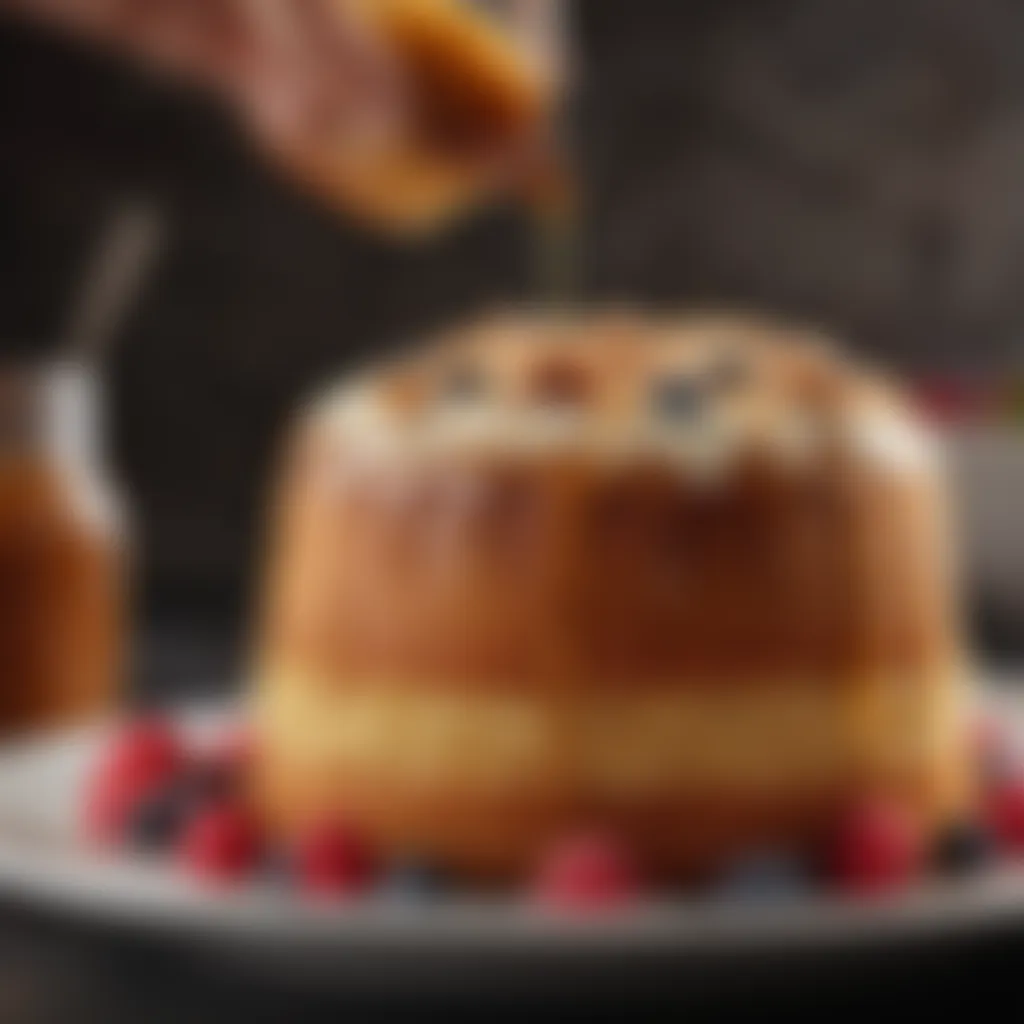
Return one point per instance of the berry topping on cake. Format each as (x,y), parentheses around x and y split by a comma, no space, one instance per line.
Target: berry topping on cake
(678,397)
(729,374)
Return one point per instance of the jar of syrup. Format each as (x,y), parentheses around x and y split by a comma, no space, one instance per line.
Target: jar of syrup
(62,551)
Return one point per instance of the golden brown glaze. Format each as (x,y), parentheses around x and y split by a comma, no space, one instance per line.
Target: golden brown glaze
(700,620)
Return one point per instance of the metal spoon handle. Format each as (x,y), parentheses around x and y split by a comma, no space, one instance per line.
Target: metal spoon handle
(112,278)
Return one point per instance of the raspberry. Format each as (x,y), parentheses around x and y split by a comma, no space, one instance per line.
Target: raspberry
(332,859)
(147,754)
(1004,812)
(876,849)
(220,845)
(587,872)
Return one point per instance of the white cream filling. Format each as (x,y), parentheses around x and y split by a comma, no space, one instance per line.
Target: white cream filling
(703,449)
(892,442)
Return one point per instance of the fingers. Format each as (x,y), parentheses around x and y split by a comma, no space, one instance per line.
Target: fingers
(294,67)
(202,39)
(318,72)
(197,38)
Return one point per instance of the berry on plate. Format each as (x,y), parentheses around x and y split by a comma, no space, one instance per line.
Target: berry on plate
(1004,812)
(221,844)
(763,876)
(587,871)
(145,755)
(332,859)
(876,849)
(414,878)
(156,821)
(994,750)
(963,847)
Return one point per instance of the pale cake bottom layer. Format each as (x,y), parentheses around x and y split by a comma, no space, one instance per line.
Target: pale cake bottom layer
(484,778)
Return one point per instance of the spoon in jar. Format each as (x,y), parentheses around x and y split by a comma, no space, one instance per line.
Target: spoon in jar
(112,278)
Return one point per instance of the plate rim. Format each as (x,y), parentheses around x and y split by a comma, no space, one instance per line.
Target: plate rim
(127,891)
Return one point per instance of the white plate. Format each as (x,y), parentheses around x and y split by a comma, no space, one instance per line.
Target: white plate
(42,862)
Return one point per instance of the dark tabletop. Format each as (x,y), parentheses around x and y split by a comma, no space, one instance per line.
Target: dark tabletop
(52,969)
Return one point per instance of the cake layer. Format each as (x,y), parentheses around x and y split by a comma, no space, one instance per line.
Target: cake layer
(522,574)
(486,780)
(761,736)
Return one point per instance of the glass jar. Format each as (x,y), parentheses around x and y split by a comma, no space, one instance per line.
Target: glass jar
(62,551)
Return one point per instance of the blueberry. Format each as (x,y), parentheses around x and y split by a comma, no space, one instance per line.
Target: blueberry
(678,397)
(278,866)
(463,383)
(560,384)
(963,847)
(763,878)
(157,821)
(214,780)
(729,374)
(415,879)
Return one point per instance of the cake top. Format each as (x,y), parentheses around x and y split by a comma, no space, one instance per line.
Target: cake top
(698,393)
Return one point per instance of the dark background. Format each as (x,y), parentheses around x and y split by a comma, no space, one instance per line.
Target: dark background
(855,162)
